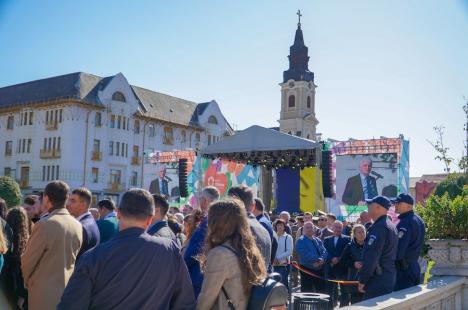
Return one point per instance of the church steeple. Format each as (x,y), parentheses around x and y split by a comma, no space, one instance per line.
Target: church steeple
(298,58)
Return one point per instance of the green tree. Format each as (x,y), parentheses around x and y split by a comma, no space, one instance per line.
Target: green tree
(446,217)
(10,191)
(453,185)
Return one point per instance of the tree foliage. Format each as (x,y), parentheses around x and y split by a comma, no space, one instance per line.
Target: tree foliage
(10,191)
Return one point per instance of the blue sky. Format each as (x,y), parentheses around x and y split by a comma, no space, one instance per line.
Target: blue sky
(382,67)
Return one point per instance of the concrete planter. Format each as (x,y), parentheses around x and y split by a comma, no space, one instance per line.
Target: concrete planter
(451,257)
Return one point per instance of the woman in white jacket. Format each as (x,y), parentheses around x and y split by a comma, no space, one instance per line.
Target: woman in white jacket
(284,251)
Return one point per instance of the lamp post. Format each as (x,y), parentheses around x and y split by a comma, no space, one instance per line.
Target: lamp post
(465,108)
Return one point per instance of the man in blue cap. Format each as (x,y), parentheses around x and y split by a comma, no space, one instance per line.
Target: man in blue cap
(411,232)
(378,274)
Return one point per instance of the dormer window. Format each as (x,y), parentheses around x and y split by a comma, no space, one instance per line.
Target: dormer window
(118,96)
(212,120)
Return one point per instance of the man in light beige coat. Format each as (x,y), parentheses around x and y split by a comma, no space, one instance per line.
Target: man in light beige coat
(49,258)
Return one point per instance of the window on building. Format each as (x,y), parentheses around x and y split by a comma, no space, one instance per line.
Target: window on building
(289,133)
(46,118)
(24,176)
(45,144)
(123,150)
(197,138)
(292,101)
(118,96)
(183,136)
(168,135)
(7,171)
(308,136)
(18,146)
(95,175)
(151,131)
(119,121)
(49,146)
(212,120)
(298,133)
(23,149)
(60,116)
(97,145)
(134,179)
(112,121)
(124,125)
(52,172)
(29,145)
(98,119)
(31,116)
(209,139)
(10,122)
(308,102)
(8,148)
(135,151)
(115,176)
(56,116)
(111,147)
(57,174)
(117,148)
(44,173)
(58,144)
(136,126)
(25,118)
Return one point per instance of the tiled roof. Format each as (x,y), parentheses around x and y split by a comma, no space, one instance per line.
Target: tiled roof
(83,86)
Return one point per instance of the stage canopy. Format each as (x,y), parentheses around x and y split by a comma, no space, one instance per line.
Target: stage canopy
(270,148)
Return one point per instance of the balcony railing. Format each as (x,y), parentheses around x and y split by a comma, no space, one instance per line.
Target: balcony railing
(115,187)
(50,154)
(53,125)
(135,160)
(97,156)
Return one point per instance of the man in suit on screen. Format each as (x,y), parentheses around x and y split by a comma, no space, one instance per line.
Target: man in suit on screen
(361,186)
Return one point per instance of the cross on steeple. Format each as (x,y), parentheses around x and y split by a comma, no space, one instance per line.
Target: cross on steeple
(299,15)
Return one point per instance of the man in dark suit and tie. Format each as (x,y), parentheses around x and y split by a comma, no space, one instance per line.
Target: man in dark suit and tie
(78,206)
(360,187)
(161,184)
(133,270)
(335,245)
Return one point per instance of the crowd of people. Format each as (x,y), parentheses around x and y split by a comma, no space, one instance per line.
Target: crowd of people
(57,251)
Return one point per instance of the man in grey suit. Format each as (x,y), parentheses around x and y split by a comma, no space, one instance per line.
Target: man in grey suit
(361,186)
(262,238)
(160,185)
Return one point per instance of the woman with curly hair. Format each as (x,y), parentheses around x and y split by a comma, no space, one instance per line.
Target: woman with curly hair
(19,222)
(231,260)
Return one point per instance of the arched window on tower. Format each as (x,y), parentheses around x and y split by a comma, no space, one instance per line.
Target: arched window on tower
(292,101)
(308,102)
(118,96)
(212,120)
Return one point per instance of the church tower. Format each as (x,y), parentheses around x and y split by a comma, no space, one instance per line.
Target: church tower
(298,92)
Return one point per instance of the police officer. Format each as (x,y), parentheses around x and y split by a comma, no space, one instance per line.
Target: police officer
(378,275)
(411,232)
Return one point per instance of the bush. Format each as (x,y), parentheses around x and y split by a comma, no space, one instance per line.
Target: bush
(10,192)
(446,218)
(453,185)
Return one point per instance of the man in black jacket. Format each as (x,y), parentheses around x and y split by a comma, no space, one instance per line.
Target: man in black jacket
(335,245)
(78,205)
(133,270)
(159,227)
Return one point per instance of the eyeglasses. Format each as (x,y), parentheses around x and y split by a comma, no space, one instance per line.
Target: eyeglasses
(322,219)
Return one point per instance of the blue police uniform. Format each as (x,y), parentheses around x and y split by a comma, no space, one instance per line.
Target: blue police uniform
(411,232)
(378,272)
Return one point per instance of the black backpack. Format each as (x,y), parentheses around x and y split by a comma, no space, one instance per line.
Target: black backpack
(270,293)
